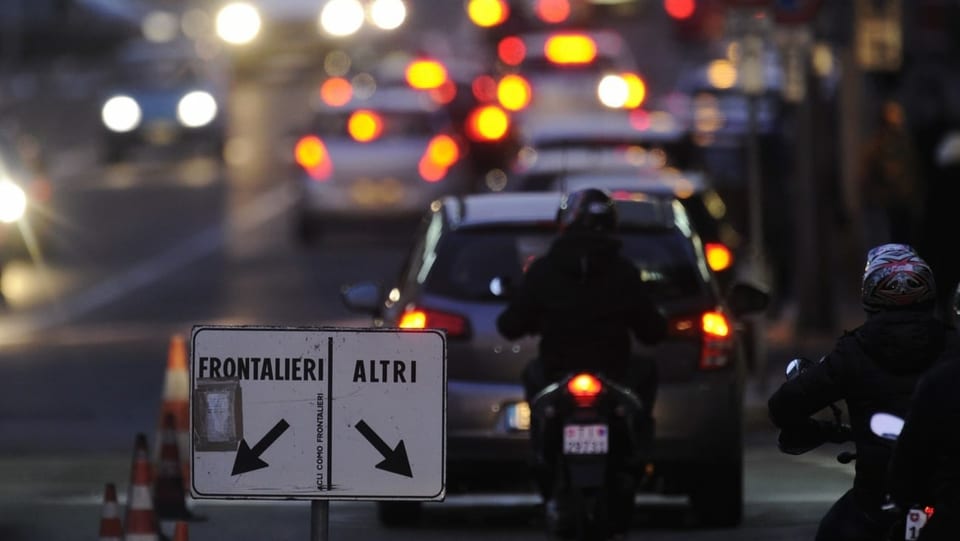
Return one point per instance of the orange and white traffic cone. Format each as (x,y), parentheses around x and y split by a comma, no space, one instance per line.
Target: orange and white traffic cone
(176,402)
(111,528)
(141,520)
(180,533)
(169,492)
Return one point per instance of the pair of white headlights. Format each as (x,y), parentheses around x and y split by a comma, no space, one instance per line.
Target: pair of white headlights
(194,110)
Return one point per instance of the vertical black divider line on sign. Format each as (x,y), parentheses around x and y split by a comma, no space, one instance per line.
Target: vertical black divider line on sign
(329,412)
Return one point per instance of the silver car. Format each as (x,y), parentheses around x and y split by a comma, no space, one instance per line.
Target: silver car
(383,157)
(448,282)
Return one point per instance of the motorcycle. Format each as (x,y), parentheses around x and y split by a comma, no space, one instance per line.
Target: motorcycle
(888,426)
(883,425)
(588,435)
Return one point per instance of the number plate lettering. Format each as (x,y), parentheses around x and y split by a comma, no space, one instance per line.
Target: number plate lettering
(585,439)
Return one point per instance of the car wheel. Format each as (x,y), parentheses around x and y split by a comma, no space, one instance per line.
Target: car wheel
(398,514)
(716,494)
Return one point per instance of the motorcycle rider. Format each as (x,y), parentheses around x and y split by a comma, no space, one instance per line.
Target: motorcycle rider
(925,468)
(584,299)
(873,368)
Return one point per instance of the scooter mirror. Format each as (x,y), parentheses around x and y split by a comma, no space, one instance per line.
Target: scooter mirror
(797,366)
(886,426)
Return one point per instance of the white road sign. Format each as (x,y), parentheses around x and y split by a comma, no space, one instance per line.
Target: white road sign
(318,413)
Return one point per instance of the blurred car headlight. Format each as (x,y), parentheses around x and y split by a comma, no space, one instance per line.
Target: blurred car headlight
(342,17)
(121,114)
(388,14)
(196,109)
(238,23)
(13,202)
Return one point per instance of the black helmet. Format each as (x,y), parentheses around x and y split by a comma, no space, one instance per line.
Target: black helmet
(896,277)
(587,210)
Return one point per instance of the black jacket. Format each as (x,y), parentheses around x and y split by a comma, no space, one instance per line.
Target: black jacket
(583,298)
(874,368)
(925,468)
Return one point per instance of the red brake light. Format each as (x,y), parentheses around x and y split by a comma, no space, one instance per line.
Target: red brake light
(511,51)
(928,511)
(423,318)
(487,123)
(553,11)
(584,388)
(718,256)
(311,154)
(441,153)
(365,126)
(426,74)
(715,333)
(717,341)
(680,9)
(336,91)
(513,93)
(570,49)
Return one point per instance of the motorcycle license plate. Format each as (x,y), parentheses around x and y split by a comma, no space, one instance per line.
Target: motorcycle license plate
(585,439)
(916,519)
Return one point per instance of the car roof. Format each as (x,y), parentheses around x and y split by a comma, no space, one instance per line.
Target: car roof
(663,182)
(396,98)
(601,128)
(531,208)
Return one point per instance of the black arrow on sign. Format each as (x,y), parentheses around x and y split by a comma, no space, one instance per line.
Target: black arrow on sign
(394,460)
(249,459)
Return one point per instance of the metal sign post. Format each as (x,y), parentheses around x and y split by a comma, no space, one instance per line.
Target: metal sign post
(318,414)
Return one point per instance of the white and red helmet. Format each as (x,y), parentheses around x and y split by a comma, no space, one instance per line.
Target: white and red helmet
(896,277)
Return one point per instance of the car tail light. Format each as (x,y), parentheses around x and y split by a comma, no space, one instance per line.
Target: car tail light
(715,333)
(425,318)
(441,153)
(336,91)
(487,123)
(511,51)
(444,93)
(718,255)
(585,388)
(717,341)
(484,88)
(570,49)
(488,13)
(553,11)
(514,93)
(426,74)
(365,126)
(311,154)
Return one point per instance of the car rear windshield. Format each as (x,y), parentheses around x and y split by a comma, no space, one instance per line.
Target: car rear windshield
(467,261)
(394,124)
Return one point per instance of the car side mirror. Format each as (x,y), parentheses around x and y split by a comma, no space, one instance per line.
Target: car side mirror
(886,426)
(362,297)
(744,299)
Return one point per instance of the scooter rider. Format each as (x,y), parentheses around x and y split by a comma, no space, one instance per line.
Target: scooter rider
(925,468)
(584,299)
(873,368)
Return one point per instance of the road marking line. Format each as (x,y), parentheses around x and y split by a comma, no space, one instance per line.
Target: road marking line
(248,218)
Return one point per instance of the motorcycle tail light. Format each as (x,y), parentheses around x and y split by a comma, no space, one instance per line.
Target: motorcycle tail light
(928,511)
(585,388)
(311,154)
(455,325)
(717,341)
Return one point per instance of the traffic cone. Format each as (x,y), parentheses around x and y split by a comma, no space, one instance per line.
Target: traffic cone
(180,533)
(141,520)
(111,529)
(169,493)
(176,402)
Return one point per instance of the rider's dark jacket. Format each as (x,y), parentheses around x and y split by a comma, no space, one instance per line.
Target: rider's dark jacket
(925,468)
(874,368)
(584,299)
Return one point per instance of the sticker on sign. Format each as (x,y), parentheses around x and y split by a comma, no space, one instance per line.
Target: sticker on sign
(318,413)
